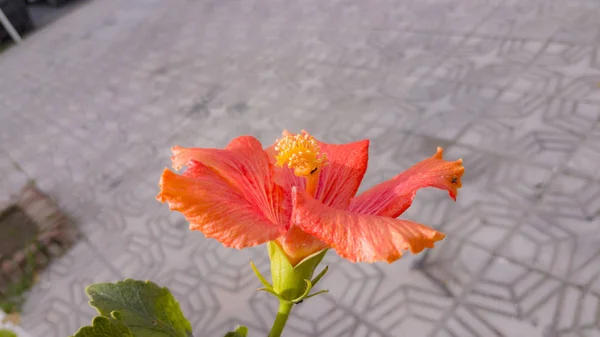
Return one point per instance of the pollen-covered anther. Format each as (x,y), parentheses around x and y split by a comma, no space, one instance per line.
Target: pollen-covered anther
(300,152)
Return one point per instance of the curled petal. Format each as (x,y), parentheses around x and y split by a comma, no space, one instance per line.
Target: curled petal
(216,209)
(361,237)
(391,198)
(245,166)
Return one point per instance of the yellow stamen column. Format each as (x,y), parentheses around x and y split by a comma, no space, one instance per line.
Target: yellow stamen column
(292,282)
(301,153)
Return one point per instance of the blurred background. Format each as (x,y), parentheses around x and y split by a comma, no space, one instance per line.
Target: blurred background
(97,91)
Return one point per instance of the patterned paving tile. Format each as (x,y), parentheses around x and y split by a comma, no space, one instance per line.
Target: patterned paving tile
(585,160)
(533,127)
(545,272)
(489,61)
(509,85)
(58,305)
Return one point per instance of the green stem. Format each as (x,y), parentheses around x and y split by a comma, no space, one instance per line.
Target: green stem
(285,308)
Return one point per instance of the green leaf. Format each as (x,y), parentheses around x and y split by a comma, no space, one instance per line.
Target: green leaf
(8,333)
(104,326)
(241,331)
(145,308)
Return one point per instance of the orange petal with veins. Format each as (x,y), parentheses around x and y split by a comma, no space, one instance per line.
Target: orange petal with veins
(361,237)
(341,177)
(215,208)
(245,166)
(391,198)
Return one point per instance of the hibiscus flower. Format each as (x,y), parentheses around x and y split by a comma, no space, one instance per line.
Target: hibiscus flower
(301,194)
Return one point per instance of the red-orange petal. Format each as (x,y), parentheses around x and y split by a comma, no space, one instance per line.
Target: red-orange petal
(286,179)
(341,177)
(246,167)
(216,209)
(361,237)
(391,198)
(298,245)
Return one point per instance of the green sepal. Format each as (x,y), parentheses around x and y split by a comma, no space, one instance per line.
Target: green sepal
(305,294)
(241,331)
(272,292)
(320,276)
(292,283)
(262,279)
(317,293)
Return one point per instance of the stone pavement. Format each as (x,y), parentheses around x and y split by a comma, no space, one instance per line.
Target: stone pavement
(91,104)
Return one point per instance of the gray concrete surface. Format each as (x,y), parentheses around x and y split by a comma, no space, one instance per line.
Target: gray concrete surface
(91,105)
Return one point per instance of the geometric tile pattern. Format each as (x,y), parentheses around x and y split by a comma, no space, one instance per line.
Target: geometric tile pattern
(92,103)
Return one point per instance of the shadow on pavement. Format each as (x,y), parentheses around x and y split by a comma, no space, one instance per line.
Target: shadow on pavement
(43,13)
